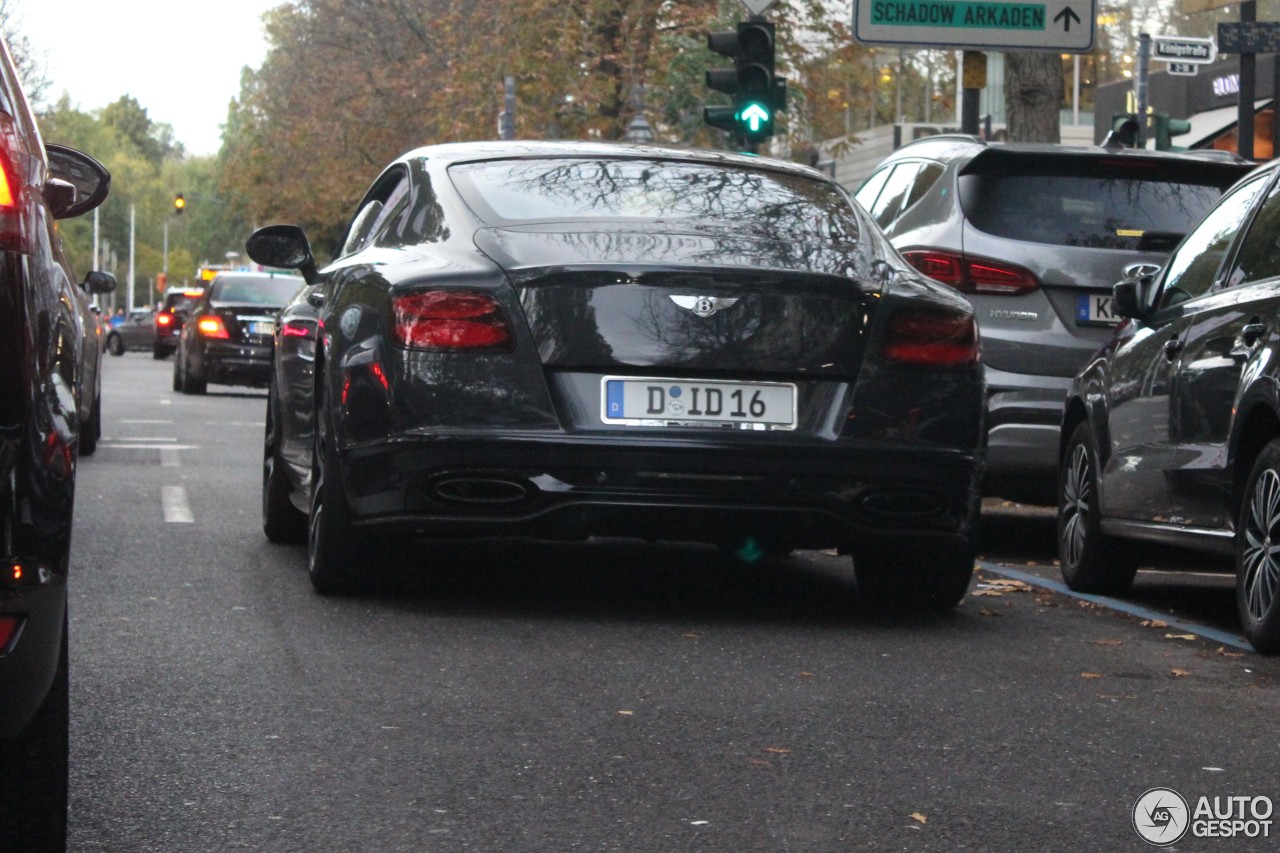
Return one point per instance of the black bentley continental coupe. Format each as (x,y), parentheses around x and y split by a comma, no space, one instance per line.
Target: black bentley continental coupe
(566,340)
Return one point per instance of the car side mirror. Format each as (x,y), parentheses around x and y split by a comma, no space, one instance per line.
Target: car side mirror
(89,181)
(100,282)
(1129,297)
(285,247)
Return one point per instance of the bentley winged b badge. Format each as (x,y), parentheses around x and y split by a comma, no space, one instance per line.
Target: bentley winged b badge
(705,306)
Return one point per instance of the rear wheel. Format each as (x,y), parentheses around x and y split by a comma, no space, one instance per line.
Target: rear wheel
(191,384)
(282,522)
(340,559)
(1091,561)
(1257,561)
(33,774)
(158,352)
(115,344)
(932,579)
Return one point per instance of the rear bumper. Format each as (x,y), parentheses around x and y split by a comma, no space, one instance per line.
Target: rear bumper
(236,364)
(1024,418)
(568,488)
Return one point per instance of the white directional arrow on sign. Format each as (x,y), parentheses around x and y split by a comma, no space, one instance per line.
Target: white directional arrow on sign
(757,7)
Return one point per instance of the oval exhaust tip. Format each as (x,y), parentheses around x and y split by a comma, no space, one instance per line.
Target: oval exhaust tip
(480,490)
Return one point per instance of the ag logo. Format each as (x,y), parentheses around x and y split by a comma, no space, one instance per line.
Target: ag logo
(1161,817)
(350,321)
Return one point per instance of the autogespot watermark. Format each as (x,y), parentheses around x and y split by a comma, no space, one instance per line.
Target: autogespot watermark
(1163,817)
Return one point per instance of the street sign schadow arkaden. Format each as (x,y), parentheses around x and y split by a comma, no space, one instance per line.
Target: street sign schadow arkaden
(1061,26)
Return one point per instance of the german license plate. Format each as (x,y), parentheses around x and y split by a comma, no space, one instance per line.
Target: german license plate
(262,327)
(676,402)
(1096,309)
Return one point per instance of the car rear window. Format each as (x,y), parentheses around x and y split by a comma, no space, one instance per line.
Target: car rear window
(1091,205)
(753,201)
(267,290)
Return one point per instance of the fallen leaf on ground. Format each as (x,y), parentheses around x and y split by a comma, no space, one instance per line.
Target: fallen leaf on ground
(1105,642)
(1178,672)
(988,592)
(1090,675)
(627,713)
(1179,636)
(919,818)
(1222,650)
(777,750)
(1154,623)
(759,762)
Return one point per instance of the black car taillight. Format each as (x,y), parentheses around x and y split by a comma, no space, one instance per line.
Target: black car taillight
(14,227)
(450,320)
(9,626)
(928,338)
(972,275)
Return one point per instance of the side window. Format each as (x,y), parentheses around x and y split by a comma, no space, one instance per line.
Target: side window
(1192,268)
(1259,255)
(870,189)
(389,198)
(395,210)
(893,198)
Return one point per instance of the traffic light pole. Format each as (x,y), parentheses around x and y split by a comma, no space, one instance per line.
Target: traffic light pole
(1140,87)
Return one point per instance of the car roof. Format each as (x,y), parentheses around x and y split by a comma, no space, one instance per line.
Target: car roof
(463,152)
(959,146)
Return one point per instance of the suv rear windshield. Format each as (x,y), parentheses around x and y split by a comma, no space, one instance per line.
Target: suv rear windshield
(1105,205)
(180,301)
(265,290)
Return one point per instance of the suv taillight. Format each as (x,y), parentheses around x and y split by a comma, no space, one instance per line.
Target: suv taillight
(450,319)
(928,338)
(972,275)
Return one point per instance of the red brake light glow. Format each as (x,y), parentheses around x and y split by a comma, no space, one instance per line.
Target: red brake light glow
(9,626)
(164,319)
(294,329)
(926,338)
(451,319)
(972,275)
(212,327)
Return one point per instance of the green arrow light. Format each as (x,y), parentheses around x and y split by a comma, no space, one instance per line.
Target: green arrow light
(755,117)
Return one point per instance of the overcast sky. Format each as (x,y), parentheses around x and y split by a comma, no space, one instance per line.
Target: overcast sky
(180,60)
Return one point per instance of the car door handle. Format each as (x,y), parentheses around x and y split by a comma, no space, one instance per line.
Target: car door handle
(1172,348)
(1252,333)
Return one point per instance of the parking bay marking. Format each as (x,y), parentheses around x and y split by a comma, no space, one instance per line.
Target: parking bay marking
(1208,633)
(173,499)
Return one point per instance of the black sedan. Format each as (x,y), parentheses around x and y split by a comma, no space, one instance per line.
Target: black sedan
(1172,433)
(227,336)
(565,340)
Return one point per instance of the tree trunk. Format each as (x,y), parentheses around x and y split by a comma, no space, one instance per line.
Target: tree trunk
(1033,87)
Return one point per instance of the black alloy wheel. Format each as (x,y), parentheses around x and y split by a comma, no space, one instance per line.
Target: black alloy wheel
(282,522)
(1258,553)
(1091,561)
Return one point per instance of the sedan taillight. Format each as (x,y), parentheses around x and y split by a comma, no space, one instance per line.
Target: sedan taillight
(925,338)
(212,327)
(164,320)
(972,275)
(15,226)
(450,319)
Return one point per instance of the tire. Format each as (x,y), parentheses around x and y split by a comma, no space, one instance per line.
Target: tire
(115,345)
(177,376)
(1091,561)
(282,522)
(339,559)
(933,579)
(158,352)
(190,383)
(1257,566)
(91,430)
(33,774)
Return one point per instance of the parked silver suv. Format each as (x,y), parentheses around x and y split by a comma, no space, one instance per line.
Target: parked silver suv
(1035,235)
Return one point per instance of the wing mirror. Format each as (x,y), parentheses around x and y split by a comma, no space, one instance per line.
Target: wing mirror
(100,282)
(78,183)
(285,247)
(1130,296)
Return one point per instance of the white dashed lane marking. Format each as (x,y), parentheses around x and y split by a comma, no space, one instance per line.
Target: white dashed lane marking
(174,501)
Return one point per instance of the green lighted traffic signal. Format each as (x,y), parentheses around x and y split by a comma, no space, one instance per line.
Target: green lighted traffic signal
(758,95)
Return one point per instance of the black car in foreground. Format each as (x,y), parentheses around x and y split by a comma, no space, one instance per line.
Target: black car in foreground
(1172,433)
(565,340)
(227,334)
(49,383)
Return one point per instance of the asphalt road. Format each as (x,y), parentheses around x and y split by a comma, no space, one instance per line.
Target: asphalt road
(613,695)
